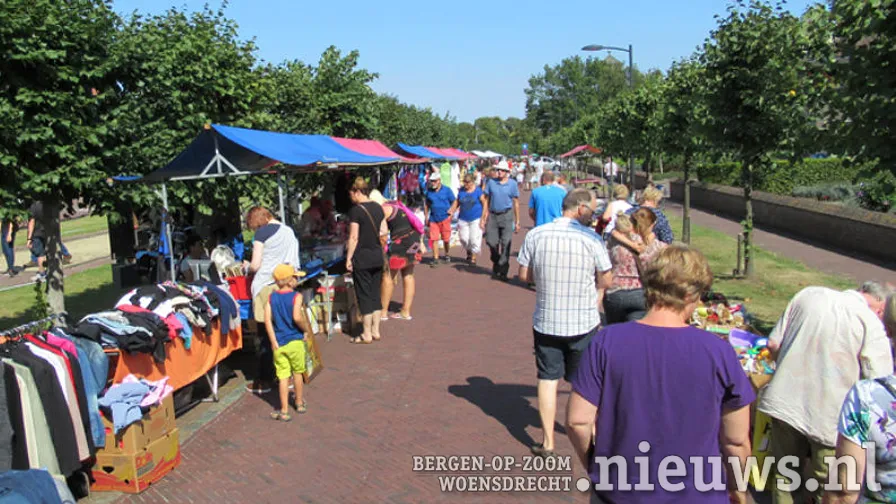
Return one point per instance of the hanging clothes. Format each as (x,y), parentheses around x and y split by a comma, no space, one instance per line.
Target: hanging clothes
(455,178)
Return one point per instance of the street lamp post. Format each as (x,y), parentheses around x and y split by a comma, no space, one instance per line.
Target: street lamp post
(631,85)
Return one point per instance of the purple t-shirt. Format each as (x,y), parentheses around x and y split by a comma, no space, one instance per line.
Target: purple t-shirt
(666,386)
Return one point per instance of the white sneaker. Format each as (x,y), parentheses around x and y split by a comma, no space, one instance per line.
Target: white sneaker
(40,277)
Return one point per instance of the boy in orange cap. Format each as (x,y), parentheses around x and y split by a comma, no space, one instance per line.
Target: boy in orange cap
(284,318)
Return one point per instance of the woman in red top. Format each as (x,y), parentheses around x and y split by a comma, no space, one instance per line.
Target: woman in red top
(625,300)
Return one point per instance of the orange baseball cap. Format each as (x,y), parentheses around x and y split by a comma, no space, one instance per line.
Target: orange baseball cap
(284,271)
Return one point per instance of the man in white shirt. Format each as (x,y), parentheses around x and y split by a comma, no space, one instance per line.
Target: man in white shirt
(611,170)
(568,262)
(824,343)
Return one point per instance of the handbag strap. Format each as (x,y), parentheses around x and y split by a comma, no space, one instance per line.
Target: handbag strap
(375,229)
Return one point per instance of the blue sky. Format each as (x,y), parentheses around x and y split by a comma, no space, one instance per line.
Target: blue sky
(469,58)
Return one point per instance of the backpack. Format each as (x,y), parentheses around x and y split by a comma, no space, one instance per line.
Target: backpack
(412,217)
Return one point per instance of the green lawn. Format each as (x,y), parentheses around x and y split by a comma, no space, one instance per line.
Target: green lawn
(85,292)
(777,278)
(71,228)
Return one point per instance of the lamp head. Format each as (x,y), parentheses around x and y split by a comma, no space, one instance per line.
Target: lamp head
(593,47)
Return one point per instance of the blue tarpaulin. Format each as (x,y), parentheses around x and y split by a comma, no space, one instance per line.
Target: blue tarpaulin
(420,151)
(227,150)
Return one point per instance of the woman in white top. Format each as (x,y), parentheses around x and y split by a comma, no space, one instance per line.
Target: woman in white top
(619,204)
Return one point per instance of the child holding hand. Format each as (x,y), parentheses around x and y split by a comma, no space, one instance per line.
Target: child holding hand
(285,321)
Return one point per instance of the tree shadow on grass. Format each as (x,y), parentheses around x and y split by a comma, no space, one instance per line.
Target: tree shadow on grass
(506,403)
(100,298)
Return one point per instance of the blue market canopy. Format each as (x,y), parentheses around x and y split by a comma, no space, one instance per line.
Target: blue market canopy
(420,151)
(226,150)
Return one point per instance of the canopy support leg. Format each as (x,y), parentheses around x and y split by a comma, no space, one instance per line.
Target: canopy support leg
(168,233)
(281,192)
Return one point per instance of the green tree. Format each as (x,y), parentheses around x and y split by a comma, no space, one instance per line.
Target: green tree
(56,92)
(755,61)
(683,114)
(575,87)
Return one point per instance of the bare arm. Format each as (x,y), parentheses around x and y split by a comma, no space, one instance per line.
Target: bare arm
(484,206)
(581,417)
(605,279)
(298,316)
(532,213)
(625,240)
(735,440)
(257,251)
(353,229)
(525,275)
(269,325)
(30,230)
(516,215)
(484,218)
(850,483)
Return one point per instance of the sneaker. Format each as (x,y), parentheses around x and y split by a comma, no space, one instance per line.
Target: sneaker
(40,277)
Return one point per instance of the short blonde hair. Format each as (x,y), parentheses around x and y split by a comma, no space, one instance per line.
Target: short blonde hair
(469,178)
(360,185)
(620,192)
(624,223)
(651,194)
(678,276)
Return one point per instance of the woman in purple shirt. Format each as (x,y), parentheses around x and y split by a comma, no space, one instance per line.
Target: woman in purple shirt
(658,388)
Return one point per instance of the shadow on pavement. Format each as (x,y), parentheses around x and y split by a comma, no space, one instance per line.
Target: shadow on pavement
(506,403)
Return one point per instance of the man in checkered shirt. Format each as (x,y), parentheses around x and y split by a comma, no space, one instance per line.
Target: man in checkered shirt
(568,263)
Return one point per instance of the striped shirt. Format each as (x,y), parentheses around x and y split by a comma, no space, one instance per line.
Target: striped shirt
(564,258)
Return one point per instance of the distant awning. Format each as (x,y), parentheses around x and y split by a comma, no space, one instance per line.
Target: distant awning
(226,150)
(443,153)
(582,148)
(419,151)
(376,148)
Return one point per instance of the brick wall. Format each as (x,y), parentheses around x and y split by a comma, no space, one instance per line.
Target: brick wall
(850,229)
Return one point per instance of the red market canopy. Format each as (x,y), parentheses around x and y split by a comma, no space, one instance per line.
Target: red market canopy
(581,148)
(376,148)
(461,154)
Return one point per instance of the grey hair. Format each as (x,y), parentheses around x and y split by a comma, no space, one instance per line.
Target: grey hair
(576,198)
(547,176)
(877,290)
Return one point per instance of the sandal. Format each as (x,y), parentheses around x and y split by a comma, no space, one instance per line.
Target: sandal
(279,415)
(400,316)
(301,408)
(360,341)
(540,450)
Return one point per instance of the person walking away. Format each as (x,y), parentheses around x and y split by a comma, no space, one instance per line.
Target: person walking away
(563,183)
(404,254)
(287,325)
(568,263)
(825,342)
(273,243)
(611,171)
(619,204)
(502,196)
(633,399)
(365,258)
(624,301)
(546,201)
(439,206)
(471,203)
(8,237)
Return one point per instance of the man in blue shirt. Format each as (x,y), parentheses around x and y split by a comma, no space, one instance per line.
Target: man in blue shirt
(546,202)
(439,206)
(498,222)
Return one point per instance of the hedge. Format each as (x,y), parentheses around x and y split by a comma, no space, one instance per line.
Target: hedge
(784,176)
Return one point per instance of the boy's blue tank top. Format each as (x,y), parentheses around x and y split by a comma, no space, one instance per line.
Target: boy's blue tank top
(285,329)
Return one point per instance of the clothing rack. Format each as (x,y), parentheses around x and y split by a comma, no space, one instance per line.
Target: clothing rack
(56,320)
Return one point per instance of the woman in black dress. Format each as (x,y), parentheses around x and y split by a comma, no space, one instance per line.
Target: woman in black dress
(365,258)
(404,253)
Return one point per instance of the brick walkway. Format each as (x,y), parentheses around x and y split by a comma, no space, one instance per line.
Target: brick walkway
(457,380)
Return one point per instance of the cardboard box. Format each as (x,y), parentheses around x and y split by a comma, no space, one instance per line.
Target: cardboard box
(135,472)
(156,424)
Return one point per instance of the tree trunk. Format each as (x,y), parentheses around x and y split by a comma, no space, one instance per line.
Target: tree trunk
(748,219)
(55,294)
(686,213)
(661,164)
